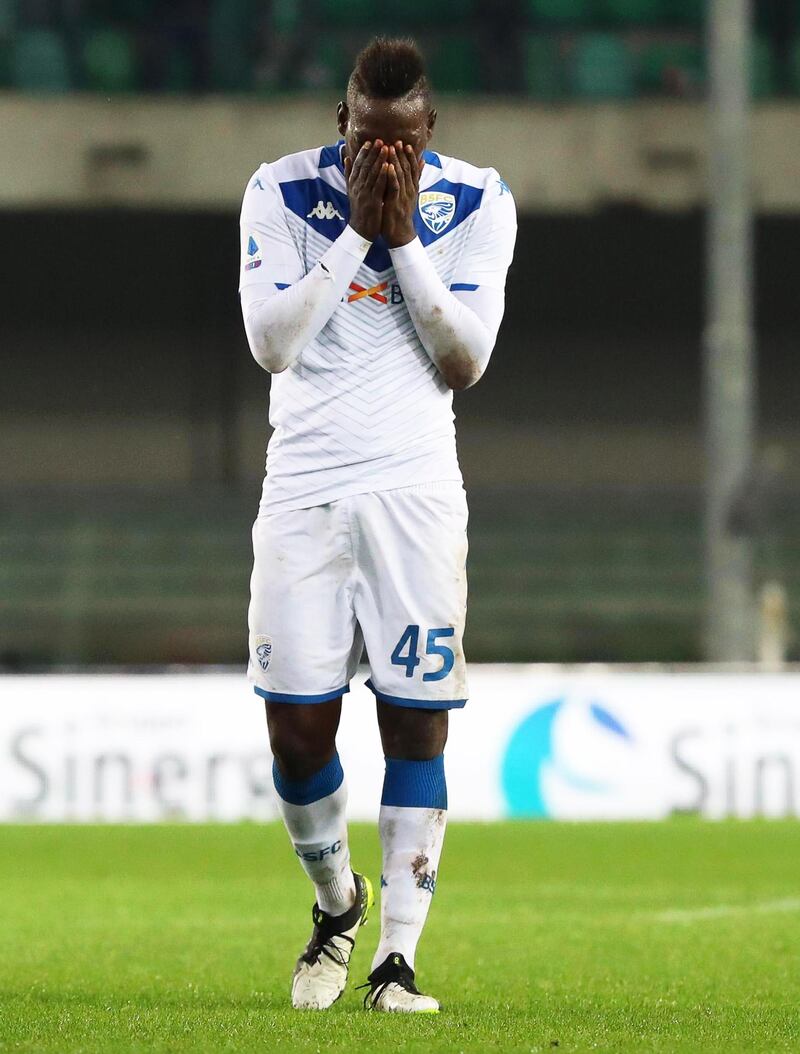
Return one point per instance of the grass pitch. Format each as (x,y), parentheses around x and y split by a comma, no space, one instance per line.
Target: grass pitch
(675,937)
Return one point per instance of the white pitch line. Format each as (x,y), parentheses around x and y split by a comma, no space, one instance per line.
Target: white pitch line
(722,911)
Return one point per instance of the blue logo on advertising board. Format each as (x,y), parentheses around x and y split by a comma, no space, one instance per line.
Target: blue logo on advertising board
(533,752)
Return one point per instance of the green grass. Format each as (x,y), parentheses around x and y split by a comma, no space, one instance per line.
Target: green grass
(574,937)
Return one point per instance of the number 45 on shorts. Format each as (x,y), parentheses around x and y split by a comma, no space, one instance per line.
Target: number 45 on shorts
(409,642)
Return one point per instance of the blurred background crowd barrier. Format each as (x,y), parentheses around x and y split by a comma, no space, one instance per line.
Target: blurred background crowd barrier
(133,420)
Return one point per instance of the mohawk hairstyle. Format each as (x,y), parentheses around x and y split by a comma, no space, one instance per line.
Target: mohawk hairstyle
(389,68)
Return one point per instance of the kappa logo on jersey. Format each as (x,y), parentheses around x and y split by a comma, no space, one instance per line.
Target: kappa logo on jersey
(264,651)
(376,292)
(437,209)
(254,252)
(325,210)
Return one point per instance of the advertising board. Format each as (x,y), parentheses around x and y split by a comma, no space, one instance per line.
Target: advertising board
(534,741)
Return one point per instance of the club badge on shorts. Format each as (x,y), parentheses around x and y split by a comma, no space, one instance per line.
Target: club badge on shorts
(263,651)
(437,209)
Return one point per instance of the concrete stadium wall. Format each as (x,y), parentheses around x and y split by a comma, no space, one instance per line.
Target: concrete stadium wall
(197,154)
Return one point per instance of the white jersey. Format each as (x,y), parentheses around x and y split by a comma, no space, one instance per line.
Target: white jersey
(363,408)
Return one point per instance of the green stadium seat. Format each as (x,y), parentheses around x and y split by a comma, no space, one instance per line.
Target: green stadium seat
(8,22)
(634,12)
(39,62)
(109,61)
(285,15)
(8,18)
(562,12)
(669,66)
(763,79)
(454,66)
(418,14)
(602,67)
(686,12)
(544,73)
(773,16)
(333,62)
(130,12)
(178,75)
(340,13)
(794,68)
(230,31)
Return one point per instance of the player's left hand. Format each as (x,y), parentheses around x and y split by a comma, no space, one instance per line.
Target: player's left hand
(400,200)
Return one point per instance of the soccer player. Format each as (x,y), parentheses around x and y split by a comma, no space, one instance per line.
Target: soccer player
(372,283)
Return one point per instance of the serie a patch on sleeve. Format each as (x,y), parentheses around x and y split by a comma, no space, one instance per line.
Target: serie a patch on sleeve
(254,254)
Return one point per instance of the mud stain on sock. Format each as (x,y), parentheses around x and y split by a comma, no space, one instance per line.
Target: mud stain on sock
(418,865)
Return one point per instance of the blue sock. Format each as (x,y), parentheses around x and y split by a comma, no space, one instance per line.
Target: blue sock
(304,792)
(415,784)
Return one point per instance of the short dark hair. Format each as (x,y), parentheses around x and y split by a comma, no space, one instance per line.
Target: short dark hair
(389,68)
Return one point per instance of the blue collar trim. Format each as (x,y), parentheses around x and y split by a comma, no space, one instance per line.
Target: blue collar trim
(332,155)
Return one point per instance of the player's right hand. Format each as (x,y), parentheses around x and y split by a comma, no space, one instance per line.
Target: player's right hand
(366,186)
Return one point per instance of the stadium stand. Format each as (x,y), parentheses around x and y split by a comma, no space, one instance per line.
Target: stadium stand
(553,50)
(454,64)
(674,67)
(602,67)
(543,68)
(109,61)
(636,12)
(146,576)
(559,12)
(130,572)
(40,62)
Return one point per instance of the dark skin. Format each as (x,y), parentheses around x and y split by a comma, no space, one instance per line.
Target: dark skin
(384,141)
(303,737)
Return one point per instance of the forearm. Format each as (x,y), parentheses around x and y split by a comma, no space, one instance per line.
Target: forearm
(282,323)
(458,340)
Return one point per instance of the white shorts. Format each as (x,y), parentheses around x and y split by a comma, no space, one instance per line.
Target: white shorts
(385,571)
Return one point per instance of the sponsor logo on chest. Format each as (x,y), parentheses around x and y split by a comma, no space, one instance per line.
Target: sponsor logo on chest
(383,293)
